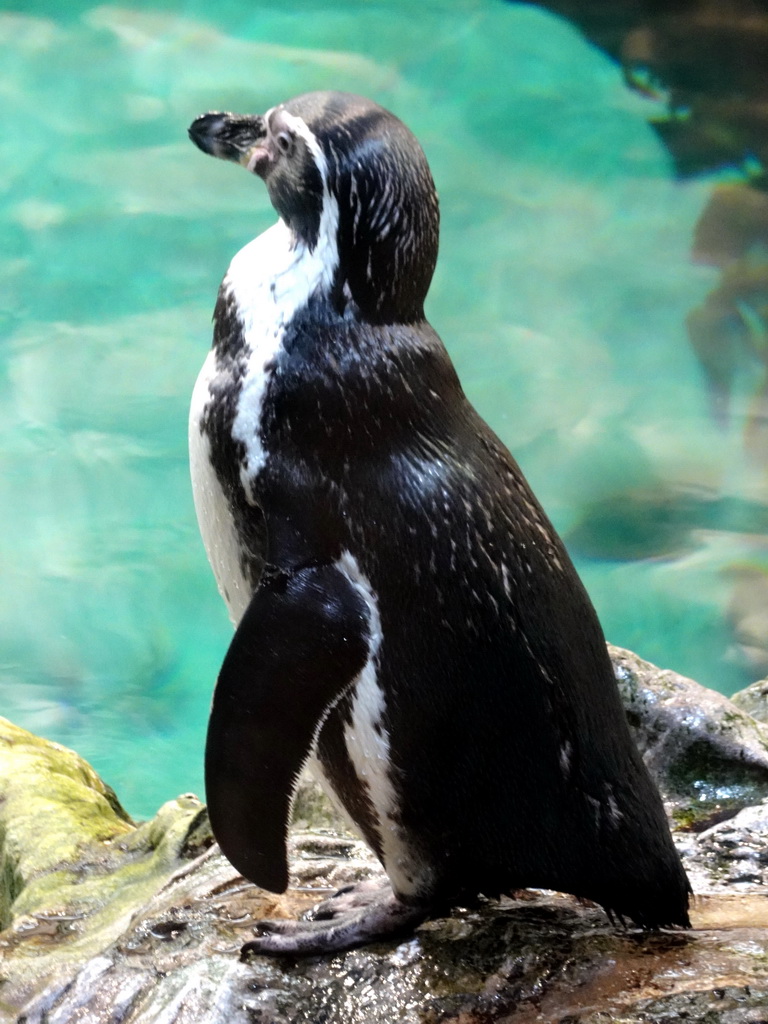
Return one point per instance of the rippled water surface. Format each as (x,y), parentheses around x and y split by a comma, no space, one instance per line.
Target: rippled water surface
(611,351)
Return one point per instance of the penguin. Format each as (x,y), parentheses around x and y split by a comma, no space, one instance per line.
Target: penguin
(407,621)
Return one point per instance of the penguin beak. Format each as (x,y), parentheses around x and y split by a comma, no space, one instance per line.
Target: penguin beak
(242,139)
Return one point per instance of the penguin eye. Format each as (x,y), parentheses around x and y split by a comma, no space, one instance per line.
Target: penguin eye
(284,142)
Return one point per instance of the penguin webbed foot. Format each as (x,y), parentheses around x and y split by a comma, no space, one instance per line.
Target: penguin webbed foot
(352,897)
(356,915)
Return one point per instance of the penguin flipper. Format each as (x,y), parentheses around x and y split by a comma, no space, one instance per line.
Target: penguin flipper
(301,642)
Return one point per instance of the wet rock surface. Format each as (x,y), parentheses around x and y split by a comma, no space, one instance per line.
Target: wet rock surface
(754,700)
(708,755)
(109,921)
(732,854)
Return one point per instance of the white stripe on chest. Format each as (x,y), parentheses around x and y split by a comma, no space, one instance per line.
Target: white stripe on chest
(270,280)
(368,747)
(267,283)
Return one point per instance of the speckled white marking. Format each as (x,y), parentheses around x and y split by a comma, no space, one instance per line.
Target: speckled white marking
(368,747)
(214,518)
(614,814)
(595,807)
(505,579)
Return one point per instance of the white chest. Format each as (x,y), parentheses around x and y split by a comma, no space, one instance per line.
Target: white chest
(214,514)
(268,281)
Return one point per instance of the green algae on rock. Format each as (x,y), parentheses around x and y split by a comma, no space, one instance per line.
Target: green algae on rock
(74,865)
(54,802)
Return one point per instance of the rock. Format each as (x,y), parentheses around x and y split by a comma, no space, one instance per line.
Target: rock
(311,807)
(754,700)
(702,59)
(74,866)
(709,757)
(733,855)
(110,922)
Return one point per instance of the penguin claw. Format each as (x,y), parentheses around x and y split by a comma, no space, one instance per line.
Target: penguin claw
(350,898)
(270,926)
(383,919)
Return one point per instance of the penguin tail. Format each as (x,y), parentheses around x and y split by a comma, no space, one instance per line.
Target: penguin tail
(664,904)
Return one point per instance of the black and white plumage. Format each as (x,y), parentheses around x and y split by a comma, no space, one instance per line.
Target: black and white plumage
(407,619)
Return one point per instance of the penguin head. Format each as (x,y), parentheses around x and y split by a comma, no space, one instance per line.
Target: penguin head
(339,164)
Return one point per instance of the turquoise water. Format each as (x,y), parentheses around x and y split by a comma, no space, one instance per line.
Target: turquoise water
(564,283)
